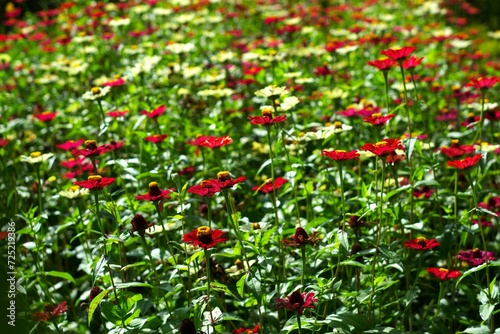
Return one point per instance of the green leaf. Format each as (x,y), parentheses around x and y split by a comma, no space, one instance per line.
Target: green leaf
(342,235)
(95,302)
(478,330)
(240,285)
(478,268)
(485,311)
(61,274)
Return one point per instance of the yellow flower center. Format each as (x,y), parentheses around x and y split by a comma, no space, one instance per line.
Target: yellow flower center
(46,112)
(35,154)
(95,90)
(94,177)
(204,234)
(255,226)
(153,184)
(421,239)
(454,141)
(443,270)
(377,115)
(337,125)
(380,143)
(74,188)
(223,176)
(340,151)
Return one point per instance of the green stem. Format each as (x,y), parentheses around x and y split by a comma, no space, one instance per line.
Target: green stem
(39,180)
(235,226)
(164,232)
(304,266)
(299,324)
(406,98)
(207,267)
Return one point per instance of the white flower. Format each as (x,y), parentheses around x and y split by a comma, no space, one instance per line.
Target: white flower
(74,192)
(178,48)
(494,34)
(36,157)
(271,92)
(212,317)
(460,44)
(289,102)
(96,93)
(347,49)
(117,22)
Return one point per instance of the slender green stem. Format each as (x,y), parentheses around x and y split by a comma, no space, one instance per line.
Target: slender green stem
(342,196)
(406,98)
(299,324)
(98,213)
(235,226)
(417,98)
(207,267)
(479,134)
(164,232)
(304,265)
(40,193)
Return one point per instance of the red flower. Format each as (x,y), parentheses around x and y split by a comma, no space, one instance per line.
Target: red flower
(422,244)
(266,118)
(399,55)
(465,163)
(297,301)
(225,181)
(483,83)
(50,312)
(154,193)
(155,113)
(139,225)
(456,150)
(424,192)
(155,138)
(113,83)
(340,155)
(206,188)
(70,144)
(269,185)
(384,147)
(91,149)
(113,145)
(46,116)
(443,273)
(204,237)
(382,64)
(210,141)
(4,142)
(301,238)
(117,113)
(377,119)
(95,182)
(412,62)
(476,257)
(240,330)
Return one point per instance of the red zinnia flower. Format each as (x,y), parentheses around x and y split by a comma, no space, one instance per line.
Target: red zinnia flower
(204,237)
(50,312)
(382,64)
(139,225)
(476,257)
(269,185)
(4,142)
(155,138)
(422,243)
(266,118)
(412,62)
(225,180)
(117,113)
(399,55)
(465,163)
(301,238)
(113,83)
(483,83)
(457,150)
(384,147)
(95,182)
(154,193)
(46,116)
(210,141)
(91,149)
(206,188)
(241,330)
(70,144)
(297,301)
(377,119)
(340,155)
(155,113)
(443,273)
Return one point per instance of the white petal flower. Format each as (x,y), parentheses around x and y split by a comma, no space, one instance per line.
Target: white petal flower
(212,318)
(36,157)
(74,192)
(289,102)
(96,93)
(271,92)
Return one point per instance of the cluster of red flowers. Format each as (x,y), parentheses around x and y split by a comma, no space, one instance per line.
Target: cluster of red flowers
(50,312)
(211,187)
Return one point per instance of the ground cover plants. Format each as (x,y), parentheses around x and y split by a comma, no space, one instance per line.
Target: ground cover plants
(249,167)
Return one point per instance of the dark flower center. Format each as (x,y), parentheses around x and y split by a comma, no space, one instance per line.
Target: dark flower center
(223,176)
(139,223)
(300,236)
(154,190)
(90,144)
(296,300)
(204,234)
(476,253)
(421,241)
